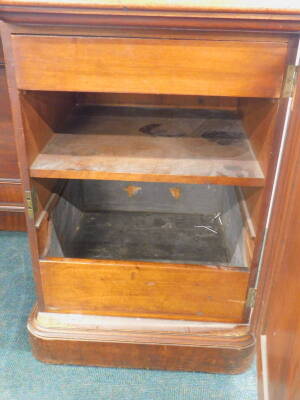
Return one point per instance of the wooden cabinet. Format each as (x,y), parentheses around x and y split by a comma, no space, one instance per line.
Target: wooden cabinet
(12,215)
(151,151)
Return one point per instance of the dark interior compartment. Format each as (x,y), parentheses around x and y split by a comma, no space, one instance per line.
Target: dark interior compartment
(196,224)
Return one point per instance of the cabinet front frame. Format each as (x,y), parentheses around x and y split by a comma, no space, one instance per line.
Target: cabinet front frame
(7,31)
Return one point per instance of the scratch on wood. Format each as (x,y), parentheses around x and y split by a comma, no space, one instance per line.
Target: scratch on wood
(175,192)
(132,190)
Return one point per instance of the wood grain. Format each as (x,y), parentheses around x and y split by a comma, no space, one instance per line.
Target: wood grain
(140,143)
(278,307)
(165,14)
(224,350)
(42,112)
(151,32)
(152,100)
(223,68)
(259,120)
(11,197)
(230,5)
(11,192)
(33,125)
(132,158)
(143,289)
(8,155)
(12,220)
(78,349)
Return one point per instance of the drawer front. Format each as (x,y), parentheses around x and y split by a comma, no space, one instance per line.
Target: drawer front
(141,289)
(12,220)
(158,66)
(11,192)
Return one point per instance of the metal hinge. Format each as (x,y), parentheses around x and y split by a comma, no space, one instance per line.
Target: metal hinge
(251,298)
(30,203)
(290,81)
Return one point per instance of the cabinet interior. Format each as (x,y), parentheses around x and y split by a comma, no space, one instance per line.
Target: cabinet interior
(149,178)
(158,222)
(147,138)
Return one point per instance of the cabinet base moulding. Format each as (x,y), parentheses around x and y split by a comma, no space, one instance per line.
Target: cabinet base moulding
(140,343)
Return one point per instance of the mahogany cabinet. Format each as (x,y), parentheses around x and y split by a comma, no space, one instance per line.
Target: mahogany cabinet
(152,138)
(12,216)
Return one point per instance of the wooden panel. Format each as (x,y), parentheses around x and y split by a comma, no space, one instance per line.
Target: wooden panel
(158,159)
(211,349)
(12,221)
(52,107)
(133,99)
(143,289)
(42,112)
(153,32)
(259,120)
(223,68)
(12,215)
(253,197)
(11,192)
(44,190)
(153,344)
(279,301)
(131,355)
(8,154)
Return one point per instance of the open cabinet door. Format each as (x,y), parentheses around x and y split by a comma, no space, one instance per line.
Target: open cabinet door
(279,330)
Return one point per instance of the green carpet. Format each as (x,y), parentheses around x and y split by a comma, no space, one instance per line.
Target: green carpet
(24,378)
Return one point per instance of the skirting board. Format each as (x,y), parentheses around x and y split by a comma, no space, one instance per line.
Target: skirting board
(140,343)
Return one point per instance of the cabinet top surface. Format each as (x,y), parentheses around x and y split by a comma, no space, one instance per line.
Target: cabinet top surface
(249,6)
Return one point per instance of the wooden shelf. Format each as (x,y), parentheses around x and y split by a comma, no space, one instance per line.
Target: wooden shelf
(158,145)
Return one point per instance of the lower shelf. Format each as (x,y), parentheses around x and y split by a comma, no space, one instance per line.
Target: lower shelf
(139,343)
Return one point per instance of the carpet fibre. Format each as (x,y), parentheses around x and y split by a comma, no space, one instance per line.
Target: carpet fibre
(22,377)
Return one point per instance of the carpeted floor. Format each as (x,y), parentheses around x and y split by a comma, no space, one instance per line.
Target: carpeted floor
(24,378)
